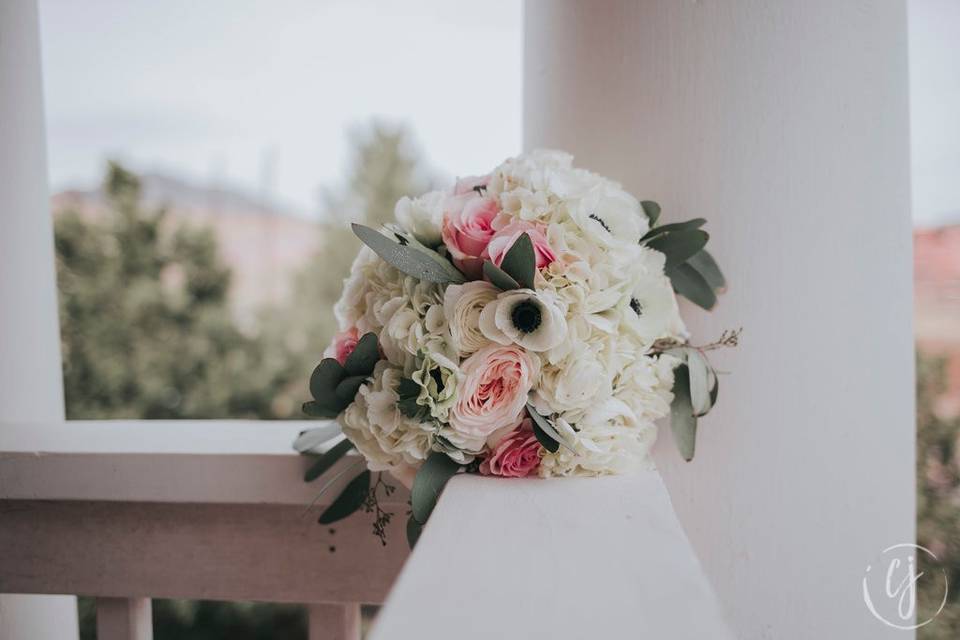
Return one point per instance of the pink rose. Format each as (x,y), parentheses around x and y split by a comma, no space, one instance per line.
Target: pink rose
(343,345)
(516,456)
(503,239)
(493,392)
(467,228)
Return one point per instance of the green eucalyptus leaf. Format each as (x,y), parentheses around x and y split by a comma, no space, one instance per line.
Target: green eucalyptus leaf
(364,356)
(349,500)
(429,482)
(545,441)
(715,388)
(414,529)
(498,277)
(652,209)
(324,380)
(688,282)
(316,410)
(417,261)
(520,262)
(683,423)
(698,370)
(696,223)
(707,267)
(547,432)
(310,439)
(327,460)
(348,387)
(678,246)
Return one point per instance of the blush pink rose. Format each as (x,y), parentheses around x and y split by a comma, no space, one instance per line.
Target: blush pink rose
(503,239)
(466,230)
(343,345)
(493,392)
(516,456)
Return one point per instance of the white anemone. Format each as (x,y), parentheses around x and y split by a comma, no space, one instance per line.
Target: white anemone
(524,317)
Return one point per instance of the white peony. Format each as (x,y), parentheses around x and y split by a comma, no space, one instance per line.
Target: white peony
(528,318)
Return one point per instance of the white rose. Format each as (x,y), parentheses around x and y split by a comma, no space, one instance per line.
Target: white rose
(422,216)
(528,318)
(462,304)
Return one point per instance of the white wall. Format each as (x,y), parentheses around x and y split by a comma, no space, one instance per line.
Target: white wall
(785,124)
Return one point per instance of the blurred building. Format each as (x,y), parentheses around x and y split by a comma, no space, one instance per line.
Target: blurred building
(936,272)
(263,244)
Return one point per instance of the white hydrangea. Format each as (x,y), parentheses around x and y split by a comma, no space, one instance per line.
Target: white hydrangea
(378,429)
(587,327)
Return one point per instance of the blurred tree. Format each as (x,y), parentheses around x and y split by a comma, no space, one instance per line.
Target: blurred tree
(384,166)
(147,333)
(146,329)
(938,503)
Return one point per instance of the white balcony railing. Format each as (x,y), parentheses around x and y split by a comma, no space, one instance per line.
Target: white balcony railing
(126,511)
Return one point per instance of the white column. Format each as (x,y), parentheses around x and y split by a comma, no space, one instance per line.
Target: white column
(784,124)
(31,387)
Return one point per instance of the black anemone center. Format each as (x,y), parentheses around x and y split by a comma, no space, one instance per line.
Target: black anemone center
(636,306)
(526,316)
(603,224)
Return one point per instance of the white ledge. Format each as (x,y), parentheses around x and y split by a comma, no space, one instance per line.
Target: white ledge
(249,462)
(565,558)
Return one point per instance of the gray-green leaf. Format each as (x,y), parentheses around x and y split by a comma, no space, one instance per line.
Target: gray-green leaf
(707,267)
(324,379)
(414,529)
(316,410)
(698,369)
(696,223)
(429,482)
(548,430)
(327,460)
(678,246)
(310,439)
(652,209)
(420,262)
(688,282)
(349,500)
(348,387)
(498,277)
(683,423)
(364,356)
(520,262)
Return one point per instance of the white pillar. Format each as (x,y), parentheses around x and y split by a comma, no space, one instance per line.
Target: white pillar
(31,387)
(784,124)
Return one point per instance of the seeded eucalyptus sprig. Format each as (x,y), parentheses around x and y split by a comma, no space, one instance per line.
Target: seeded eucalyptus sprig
(696,387)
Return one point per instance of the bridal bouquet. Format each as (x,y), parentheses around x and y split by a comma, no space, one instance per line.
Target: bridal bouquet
(521,323)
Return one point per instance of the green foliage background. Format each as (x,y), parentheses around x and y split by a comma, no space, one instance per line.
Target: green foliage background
(147,332)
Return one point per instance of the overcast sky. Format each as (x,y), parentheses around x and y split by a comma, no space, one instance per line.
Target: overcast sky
(260,94)
(218,90)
